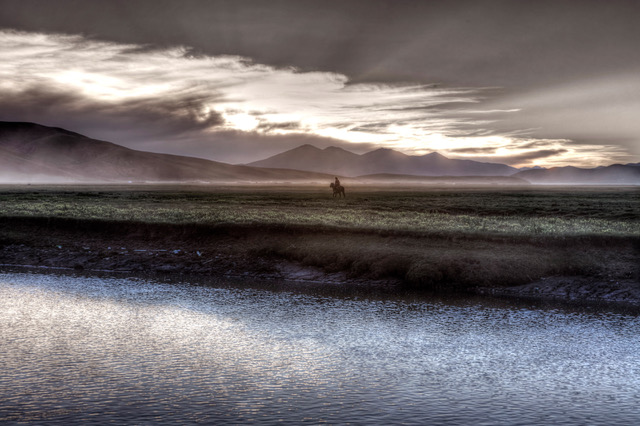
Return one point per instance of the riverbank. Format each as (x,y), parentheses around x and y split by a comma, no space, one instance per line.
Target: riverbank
(574,289)
(572,269)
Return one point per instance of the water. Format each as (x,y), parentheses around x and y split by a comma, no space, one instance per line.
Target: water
(95,350)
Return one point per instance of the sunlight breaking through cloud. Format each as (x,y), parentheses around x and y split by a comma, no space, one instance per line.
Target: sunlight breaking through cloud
(170,94)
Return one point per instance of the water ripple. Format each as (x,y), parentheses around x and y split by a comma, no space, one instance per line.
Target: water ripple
(93,350)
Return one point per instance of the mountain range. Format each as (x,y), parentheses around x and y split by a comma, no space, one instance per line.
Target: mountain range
(341,162)
(389,165)
(616,174)
(35,153)
(31,152)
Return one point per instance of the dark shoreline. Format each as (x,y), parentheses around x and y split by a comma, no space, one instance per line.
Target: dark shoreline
(237,253)
(383,290)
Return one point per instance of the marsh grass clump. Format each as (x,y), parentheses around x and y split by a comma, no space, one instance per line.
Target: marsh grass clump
(429,263)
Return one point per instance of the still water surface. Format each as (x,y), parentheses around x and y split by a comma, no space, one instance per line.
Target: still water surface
(95,350)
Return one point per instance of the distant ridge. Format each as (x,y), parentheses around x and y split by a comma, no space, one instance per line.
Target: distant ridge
(616,174)
(31,152)
(341,162)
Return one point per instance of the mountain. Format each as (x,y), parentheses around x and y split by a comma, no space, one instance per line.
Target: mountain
(340,162)
(307,157)
(34,153)
(616,174)
(31,152)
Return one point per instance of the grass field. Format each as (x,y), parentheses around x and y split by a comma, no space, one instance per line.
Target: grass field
(517,212)
(436,237)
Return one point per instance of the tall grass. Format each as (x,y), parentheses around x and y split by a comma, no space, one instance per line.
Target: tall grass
(514,213)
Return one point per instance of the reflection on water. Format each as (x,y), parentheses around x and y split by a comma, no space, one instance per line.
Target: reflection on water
(91,350)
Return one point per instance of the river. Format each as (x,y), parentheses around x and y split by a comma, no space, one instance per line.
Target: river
(96,350)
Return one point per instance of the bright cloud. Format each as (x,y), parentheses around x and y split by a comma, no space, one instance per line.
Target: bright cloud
(169,93)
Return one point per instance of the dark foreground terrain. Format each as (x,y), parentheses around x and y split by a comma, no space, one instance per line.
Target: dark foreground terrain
(580,244)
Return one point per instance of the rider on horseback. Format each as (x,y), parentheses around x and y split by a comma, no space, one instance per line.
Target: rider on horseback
(337,188)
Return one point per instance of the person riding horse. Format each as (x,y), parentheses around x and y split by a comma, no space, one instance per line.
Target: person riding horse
(337,188)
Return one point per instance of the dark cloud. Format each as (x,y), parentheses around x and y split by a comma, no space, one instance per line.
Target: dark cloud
(534,144)
(267,126)
(472,150)
(129,120)
(376,128)
(535,155)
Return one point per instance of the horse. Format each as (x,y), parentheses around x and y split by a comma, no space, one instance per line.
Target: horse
(337,190)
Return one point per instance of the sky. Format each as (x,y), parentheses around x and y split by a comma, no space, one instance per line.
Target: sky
(525,83)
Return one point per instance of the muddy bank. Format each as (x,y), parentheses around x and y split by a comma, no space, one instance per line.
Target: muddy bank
(573,289)
(200,253)
(601,270)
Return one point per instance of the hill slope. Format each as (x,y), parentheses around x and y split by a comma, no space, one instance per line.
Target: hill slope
(35,153)
(344,163)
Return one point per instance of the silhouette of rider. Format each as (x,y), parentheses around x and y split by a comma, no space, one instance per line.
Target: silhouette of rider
(337,184)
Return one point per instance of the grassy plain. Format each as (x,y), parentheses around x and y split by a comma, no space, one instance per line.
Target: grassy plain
(436,237)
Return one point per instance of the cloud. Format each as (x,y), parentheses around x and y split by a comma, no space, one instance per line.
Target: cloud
(542,152)
(140,92)
(463,42)
(528,158)
(487,150)
(158,116)
(229,108)
(267,127)
(596,110)
(532,155)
